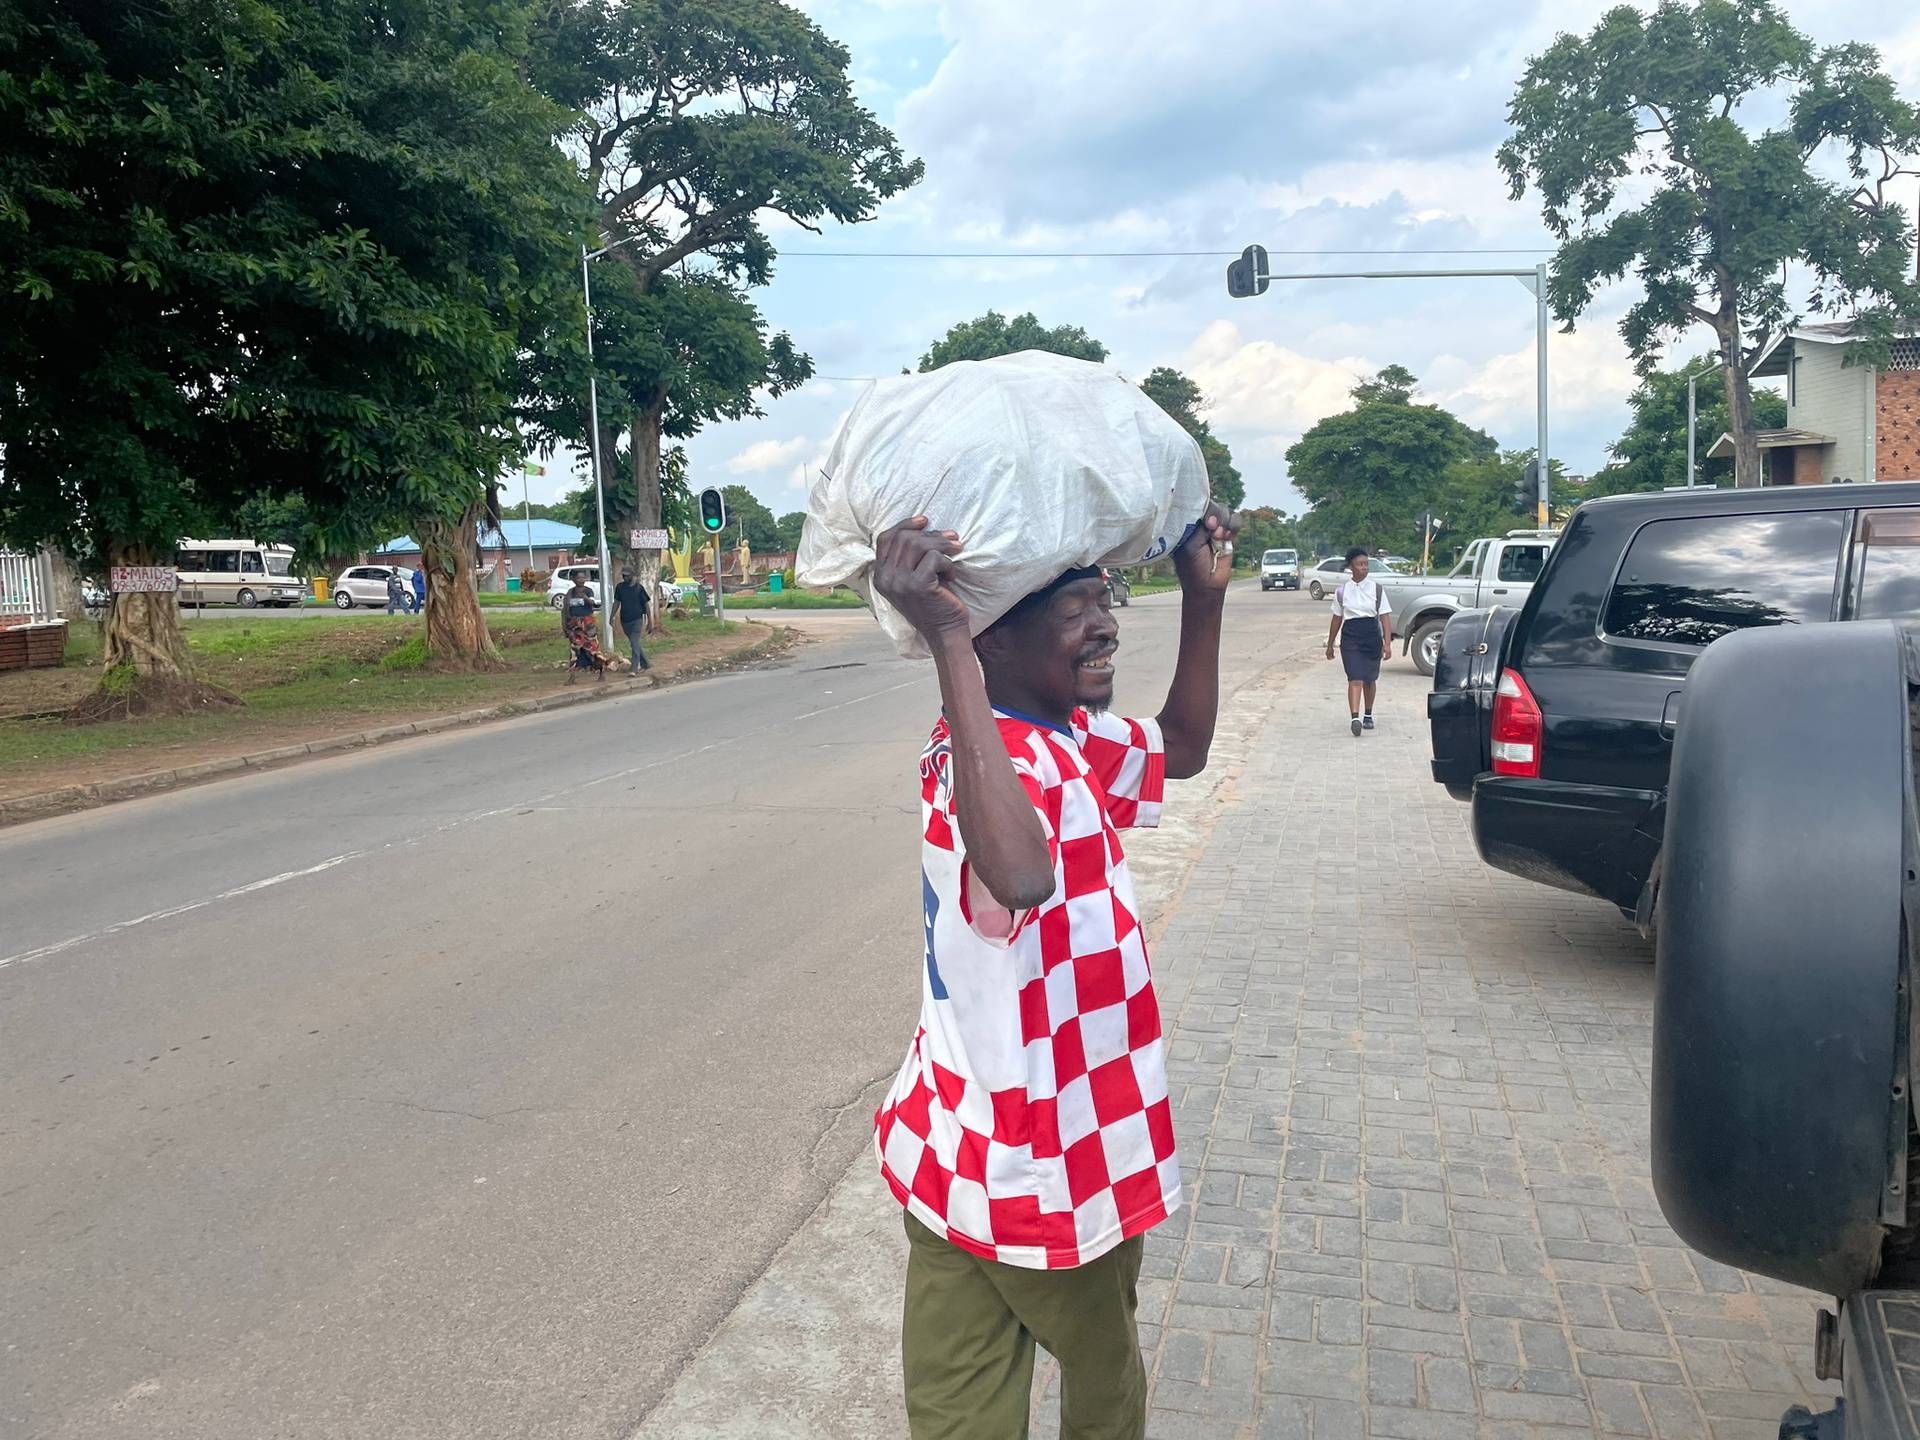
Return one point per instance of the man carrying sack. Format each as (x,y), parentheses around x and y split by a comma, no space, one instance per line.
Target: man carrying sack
(1029,1134)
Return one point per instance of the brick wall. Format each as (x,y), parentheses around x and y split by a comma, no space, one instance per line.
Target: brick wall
(1897,423)
(1810,464)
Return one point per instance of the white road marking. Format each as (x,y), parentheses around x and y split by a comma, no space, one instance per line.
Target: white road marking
(267,884)
(44,952)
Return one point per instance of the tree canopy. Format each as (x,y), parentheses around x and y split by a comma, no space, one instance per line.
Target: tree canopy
(747,517)
(1368,472)
(1181,398)
(287,250)
(1652,453)
(1647,144)
(699,118)
(993,334)
(788,530)
(1392,386)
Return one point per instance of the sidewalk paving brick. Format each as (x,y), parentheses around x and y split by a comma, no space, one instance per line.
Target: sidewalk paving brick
(1411,1095)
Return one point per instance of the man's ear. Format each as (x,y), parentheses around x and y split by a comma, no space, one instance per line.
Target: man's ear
(992,644)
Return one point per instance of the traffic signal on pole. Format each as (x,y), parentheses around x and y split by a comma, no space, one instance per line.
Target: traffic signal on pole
(1247,276)
(1526,490)
(713,511)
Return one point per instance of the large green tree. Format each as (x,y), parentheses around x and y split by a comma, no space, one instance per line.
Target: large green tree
(748,518)
(577,507)
(698,344)
(789,528)
(993,334)
(700,118)
(1652,453)
(1653,144)
(281,249)
(1488,494)
(1370,471)
(1181,398)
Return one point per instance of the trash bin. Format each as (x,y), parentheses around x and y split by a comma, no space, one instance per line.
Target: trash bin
(513,584)
(776,582)
(320,588)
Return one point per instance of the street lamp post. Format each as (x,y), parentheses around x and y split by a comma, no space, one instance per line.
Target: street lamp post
(1693,382)
(593,421)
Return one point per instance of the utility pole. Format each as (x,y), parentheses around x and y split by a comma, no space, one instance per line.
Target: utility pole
(526,504)
(1693,410)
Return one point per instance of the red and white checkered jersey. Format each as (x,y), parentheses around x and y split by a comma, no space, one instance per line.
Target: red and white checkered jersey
(1030,1123)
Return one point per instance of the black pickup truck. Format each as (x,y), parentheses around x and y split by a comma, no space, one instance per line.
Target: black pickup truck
(1556,720)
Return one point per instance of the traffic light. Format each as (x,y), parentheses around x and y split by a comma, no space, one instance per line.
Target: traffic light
(713,511)
(1526,490)
(1247,276)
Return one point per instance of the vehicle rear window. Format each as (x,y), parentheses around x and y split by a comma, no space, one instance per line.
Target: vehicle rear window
(1688,582)
(1522,563)
(1887,565)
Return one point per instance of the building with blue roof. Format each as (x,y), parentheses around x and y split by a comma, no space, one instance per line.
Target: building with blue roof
(520,545)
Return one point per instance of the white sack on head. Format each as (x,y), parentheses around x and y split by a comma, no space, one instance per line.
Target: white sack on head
(1039,463)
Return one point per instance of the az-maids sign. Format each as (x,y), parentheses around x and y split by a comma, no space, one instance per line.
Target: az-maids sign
(646,540)
(144,579)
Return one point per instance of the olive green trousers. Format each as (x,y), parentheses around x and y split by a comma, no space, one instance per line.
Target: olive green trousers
(969,1335)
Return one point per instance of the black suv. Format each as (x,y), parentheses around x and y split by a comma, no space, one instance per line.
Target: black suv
(1557,719)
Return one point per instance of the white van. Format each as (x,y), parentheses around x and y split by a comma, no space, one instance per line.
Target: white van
(237,572)
(1280,570)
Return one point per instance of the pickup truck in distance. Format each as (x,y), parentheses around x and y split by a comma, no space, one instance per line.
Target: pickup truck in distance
(1493,572)
(1557,721)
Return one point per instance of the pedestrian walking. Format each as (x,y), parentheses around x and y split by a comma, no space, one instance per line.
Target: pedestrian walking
(577,609)
(419,587)
(630,608)
(396,592)
(1363,624)
(1029,1134)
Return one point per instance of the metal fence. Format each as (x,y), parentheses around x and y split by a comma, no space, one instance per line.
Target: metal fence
(26,586)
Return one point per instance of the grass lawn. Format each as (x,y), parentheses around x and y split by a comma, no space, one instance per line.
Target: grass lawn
(294,673)
(796,600)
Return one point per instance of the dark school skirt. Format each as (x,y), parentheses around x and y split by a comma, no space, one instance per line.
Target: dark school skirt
(1360,649)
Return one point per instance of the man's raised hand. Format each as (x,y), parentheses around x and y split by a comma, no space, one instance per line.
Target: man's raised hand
(912,567)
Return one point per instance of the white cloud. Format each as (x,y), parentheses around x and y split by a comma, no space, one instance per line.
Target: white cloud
(764,455)
(1262,386)
(1587,371)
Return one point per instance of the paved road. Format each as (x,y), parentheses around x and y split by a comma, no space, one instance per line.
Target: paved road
(460,1087)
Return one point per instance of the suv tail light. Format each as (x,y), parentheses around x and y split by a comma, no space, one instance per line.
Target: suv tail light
(1518,729)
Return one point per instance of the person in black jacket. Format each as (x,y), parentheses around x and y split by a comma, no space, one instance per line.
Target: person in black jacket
(630,602)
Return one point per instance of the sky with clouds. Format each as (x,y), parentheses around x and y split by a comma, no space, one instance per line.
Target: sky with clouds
(1136,125)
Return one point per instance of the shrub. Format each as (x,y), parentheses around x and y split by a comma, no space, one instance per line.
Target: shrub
(409,654)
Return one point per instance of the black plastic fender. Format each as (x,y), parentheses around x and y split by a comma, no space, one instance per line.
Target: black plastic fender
(1779,1101)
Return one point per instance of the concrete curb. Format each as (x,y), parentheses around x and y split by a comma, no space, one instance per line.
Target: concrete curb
(69,798)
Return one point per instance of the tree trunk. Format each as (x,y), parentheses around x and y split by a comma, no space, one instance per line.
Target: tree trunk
(1747,471)
(456,628)
(646,512)
(143,631)
(68,603)
(1747,462)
